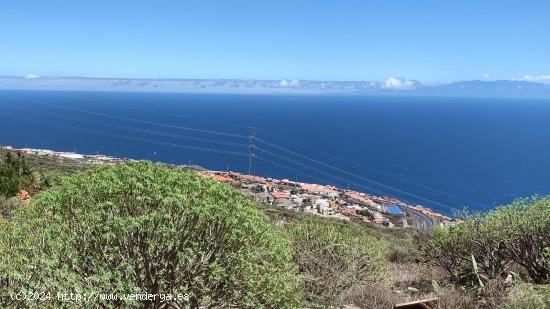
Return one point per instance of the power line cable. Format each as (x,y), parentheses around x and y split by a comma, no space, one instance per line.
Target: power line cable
(133,119)
(360,177)
(234,135)
(368,168)
(132,138)
(272,162)
(160,133)
(325,173)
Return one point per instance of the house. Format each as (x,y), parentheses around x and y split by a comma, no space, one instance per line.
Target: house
(348,211)
(280,195)
(323,206)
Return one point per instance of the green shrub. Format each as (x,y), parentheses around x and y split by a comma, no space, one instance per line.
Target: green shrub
(334,257)
(454,249)
(140,227)
(8,206)
(517,233)
(401,250)
(525,225)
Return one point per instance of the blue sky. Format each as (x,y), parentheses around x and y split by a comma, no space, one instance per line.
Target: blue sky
(428,40)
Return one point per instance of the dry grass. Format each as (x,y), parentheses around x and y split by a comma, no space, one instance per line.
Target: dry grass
(403,276)
(417,275)
(372,296)
(452,298)
(380,297)
(528,296)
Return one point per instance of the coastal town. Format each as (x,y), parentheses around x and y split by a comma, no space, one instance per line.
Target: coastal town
(322,200)
(330,201)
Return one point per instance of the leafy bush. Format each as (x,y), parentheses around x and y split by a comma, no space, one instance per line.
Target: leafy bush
(401,250)
(8,206)
(517,233)
(526,228)
(140,227)
(334,257)
(455,249)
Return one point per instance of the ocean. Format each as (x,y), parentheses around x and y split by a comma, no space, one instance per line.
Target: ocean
(443,153)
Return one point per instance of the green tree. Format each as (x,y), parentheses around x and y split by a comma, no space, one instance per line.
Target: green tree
(15,174)
(142,227)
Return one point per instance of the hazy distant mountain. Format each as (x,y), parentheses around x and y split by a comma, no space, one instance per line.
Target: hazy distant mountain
(500,88)
(391,86)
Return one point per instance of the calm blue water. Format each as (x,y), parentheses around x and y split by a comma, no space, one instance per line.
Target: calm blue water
(438,152)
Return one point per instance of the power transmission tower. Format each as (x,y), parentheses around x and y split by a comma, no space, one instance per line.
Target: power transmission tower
(252,154)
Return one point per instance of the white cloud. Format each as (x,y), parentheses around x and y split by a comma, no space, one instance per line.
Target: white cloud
(539,78)
(396,83)
(31,76)
(289,83)
(486,75)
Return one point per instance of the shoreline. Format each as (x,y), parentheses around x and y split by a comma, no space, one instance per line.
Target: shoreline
(323,200)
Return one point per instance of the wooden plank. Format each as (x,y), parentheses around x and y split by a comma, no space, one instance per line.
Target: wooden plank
(418,304)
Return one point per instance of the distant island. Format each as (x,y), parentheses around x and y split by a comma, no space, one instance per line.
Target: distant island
(391,86)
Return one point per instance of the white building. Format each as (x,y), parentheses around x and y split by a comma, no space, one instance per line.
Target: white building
(323,206)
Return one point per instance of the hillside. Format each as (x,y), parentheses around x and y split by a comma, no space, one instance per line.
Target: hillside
(137,227)
(326,200)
